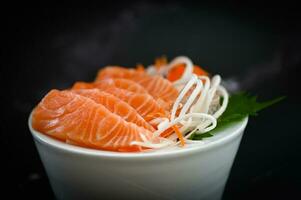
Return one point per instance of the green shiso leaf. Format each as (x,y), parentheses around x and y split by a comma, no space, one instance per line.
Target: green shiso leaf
(239,107)
(197,136)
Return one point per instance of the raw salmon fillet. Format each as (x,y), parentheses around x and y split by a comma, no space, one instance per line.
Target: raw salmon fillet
(115,105)
(157,86)
(66,115)
(119,72)
(132,86)
(121,106)
(143,103)
(125,84)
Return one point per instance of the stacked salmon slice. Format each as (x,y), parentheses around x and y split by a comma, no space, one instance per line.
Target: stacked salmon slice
(119,107)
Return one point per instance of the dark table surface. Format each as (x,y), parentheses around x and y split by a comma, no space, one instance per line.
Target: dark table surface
(258,47)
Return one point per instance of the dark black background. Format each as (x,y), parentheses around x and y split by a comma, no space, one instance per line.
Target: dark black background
(257,45)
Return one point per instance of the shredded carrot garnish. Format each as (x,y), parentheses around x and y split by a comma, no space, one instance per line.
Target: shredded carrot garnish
(160,62)
(179,134)
(155,115)
(152,116)
(140,67)
(167,132)
(199,71)
(176,72)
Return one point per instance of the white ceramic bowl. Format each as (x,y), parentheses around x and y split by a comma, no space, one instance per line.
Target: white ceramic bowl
(194,172)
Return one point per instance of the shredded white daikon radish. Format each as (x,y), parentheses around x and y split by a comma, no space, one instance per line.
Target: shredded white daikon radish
(225,96)
(190,100)
(189,115)
(182,95)
(198,105)
(151,69)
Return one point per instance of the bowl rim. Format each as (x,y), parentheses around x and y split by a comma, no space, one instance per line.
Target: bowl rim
(61,146)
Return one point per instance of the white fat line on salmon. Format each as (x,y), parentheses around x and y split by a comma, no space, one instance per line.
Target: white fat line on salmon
(114,135)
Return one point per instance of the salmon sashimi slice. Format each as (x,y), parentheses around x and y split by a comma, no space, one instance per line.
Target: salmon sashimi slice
(66,115)
(132,86)
(157,86)
(115,105)
(82,85)
(122,83)
(119,72)
(143,103)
